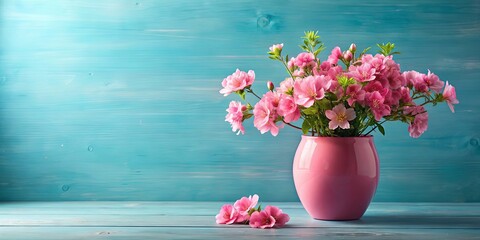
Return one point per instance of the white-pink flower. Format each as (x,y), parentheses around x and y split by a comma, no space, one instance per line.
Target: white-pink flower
(309,89)
(339,117)
(239,80)
(450,96)
(244,205)
(235,116)
(276,47)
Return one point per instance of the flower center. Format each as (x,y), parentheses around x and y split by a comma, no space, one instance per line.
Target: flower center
(341,117)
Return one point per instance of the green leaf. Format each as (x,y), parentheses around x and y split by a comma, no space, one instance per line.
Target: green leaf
(305,126)
(310,111)
(380,128)
(386,49)
(303,47)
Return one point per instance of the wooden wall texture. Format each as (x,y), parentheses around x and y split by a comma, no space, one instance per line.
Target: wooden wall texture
(118,99)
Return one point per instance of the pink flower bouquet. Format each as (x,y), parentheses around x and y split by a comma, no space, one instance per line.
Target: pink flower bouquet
(349,94)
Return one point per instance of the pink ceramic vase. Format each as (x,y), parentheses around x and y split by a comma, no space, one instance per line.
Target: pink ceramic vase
(336,177)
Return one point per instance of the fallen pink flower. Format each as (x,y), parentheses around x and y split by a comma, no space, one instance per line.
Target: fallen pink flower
(227,215)
(244,205)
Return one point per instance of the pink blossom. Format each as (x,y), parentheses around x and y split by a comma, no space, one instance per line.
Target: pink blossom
(433,82)
(273,98)
(419,125)
(280,218)
(276,47)
(239,80)
(362,73)
(309,89)
(376,86)
(270,217)
(335,55)
(265,116)
(337,89)
(413,110)
(376,103)
(355,93)
(227,215)
(327,68)
(288,109)
(394,78)
(450,96)
(299,73)
(291,63)
(377,61)
(339,117)
(286,86)
(262,220)
(420,84)
(405,95)
(392,98)
(334,71)
(305,59)
(244,205)
(412,77)
(235,116)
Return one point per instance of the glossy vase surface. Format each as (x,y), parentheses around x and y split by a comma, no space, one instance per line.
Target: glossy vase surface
(336,177)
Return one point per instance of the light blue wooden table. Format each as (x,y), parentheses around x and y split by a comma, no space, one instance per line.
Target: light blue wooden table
(195,220)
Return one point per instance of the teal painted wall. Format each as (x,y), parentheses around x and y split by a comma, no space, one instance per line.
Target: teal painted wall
(118,100)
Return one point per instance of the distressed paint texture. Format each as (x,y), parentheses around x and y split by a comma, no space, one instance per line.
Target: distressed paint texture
(118,100)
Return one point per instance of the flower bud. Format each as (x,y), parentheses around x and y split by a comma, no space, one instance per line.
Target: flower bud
(270,85)
(347,56)
(352,48)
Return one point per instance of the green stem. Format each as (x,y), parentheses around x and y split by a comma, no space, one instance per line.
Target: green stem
(366,134)
(291,125)
(254,94)
(286,67)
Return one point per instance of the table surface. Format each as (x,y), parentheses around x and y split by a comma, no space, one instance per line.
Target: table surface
(195,220)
